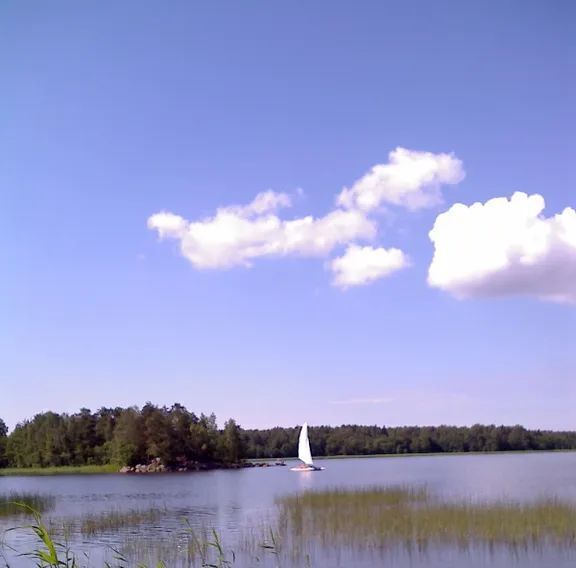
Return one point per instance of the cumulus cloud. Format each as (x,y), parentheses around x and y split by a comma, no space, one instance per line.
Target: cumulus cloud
(505,247)
(362,265)
(168,225)
(236,235)
(264,202)
(410,179)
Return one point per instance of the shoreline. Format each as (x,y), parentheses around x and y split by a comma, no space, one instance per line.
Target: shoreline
(248,463)
(58,470)
(417,455)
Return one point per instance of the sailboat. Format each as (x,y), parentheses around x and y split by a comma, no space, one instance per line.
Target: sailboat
(304,454)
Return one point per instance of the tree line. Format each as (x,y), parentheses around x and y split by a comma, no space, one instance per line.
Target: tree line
(131,436)
(349,440)
(122,436)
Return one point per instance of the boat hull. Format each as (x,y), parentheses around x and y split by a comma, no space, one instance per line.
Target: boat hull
(306,468)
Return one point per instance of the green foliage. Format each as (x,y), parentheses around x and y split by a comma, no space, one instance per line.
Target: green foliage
(49,553)
(131,436)
(348,440)
(120,436)
(3,440)
(128,441)
(203,438)
(232,443)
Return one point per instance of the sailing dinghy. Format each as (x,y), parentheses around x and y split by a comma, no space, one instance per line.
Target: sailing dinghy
(304,454)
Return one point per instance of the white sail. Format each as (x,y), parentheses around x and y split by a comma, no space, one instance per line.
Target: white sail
(304,446)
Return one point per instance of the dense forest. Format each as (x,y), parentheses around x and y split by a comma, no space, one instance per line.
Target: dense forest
(122,436)
(130,436)
(349,440)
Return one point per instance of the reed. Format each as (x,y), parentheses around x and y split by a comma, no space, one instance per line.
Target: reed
(203,547)
(115,520)
(318,525)
(386,517)
(19,503)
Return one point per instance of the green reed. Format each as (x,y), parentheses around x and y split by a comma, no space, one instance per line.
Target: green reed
(115,520)
(366,521)
(390,516)
(12,503)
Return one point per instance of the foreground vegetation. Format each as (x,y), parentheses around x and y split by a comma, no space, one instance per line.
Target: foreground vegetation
(129,436)
(398,516)
(308,527)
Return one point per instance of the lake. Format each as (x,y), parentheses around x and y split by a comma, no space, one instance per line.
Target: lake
(240,504)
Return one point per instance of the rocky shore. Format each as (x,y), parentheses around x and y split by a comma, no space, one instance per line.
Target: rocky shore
(156,466)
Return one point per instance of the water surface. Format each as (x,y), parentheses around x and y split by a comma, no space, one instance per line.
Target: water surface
(232,500)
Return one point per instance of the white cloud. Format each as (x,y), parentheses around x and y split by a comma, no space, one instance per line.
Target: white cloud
(505,247)
(238,234)
(168,225)
(410,179)
(264,202)
(362,265)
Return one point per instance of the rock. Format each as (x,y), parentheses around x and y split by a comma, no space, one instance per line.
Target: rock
(182,465)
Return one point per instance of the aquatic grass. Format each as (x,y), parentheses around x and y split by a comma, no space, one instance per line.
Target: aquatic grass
(20,502)
(318,527)
(370,496)
(58,470)
(204,548)
(106,522)
(412,518)
(115,520)
(201,547)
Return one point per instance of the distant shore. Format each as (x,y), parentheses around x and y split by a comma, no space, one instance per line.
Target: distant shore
(418,455)
(108,468)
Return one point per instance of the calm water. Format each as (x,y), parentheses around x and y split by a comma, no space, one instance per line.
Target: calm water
(234,500)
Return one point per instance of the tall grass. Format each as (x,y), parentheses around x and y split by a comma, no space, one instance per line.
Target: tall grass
(115,520)
(383,517)
(48,553)
(316,525)
(203,549)
(18,503)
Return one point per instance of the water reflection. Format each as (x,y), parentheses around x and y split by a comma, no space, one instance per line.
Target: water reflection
(305,479)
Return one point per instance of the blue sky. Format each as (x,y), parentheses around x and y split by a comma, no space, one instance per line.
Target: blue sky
(111,113)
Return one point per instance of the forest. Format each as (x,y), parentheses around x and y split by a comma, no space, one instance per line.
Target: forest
(348,440)
(175,435)
(121,436)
